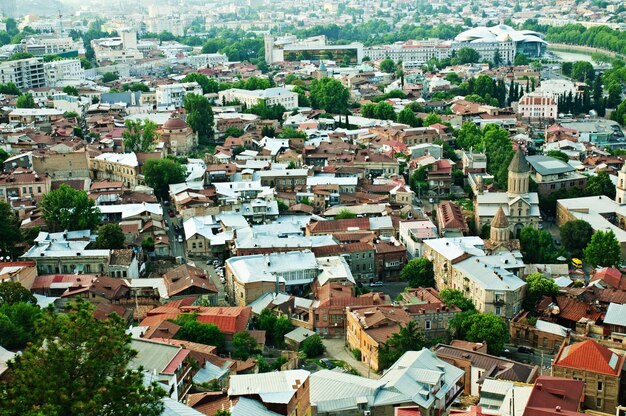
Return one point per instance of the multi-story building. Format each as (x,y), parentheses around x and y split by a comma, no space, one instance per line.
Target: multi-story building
(205,60)
(23,185)
(551,174)
(427,309)
(390,259)
(412,234)
(543,335)
(117,49)
(599,367)
(270,96)
(121,167)
(536,106)
(59,72)
(171,96)
(178,136)
(44,45)
(24,73)
(411,52)
(289,48)
(62,166)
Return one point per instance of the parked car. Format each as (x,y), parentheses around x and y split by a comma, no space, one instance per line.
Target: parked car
(329,364)
(376,284)
(180,239)
(526,350)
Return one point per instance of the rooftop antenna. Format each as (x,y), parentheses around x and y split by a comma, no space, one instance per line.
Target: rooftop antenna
(60,21)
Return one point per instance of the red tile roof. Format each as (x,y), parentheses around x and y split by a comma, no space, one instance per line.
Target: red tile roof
(552,393)
(331,226)
(611,276)
(590,356)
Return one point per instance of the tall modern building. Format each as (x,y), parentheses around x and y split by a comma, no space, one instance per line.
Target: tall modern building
(289,48)
(25,73)
(8,8)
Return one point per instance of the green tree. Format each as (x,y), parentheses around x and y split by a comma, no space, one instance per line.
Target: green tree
(431,119)
(410,337)
(25,101)
(537,246)
(9,230)
(418,273)
(468,55)
(469,136)
(289,133)
(9,89)
(139,135)
(110,236)
(109,77)
(330,95)
(13,292)
(282,326)
(69,90)
(148,244)
(566,68)
(69,209)
(266,322)
(538,286)
(233,132)
(384,111)
(209,86)
(557,154)
(603,249)
(199,115)
(453,78)
(499,152)
(17,324)
(454,297)
(244,345)
(600,184)
(194,331)
(575,236)
(136,86)
(20,55)
(89,359)
(345,214)
(490,328)
(387,65)
(223,412)
(313,346)
(160,173)
(583,71)
(520,59)
(407,116)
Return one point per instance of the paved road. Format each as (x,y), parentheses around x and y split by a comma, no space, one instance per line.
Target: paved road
(176,248)
(336,350)
(201,263)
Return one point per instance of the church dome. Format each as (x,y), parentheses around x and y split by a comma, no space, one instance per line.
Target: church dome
(519,164)
(174,124)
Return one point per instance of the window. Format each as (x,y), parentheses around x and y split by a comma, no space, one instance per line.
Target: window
(498,310)
(427,325)
(599,402)
(545,341)
(600,386)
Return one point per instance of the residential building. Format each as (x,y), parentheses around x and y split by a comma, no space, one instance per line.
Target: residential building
(367,328)
(65,71)
(61,253)
(289,48)
(178,136)
(123,264)
(390,259)
(427,309)
(474,162)
(171,96)
(551,175)
(555,396)
(270,96)
(451,220)
(283,392)
(361,258)
(248,277)
(39,117)
(21,185)
(187,280)
(520,206)
(123,167)
(164,364)
(412,234)
(57,45)
(119,49)
(403,384)
(538,106)
(542,335)
(24,73)
(600,368)
(479,366)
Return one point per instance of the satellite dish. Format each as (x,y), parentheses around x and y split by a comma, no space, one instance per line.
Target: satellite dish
(561,258)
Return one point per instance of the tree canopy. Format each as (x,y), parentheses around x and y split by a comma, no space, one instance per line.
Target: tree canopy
(538,286)
(418,273)
(208,85)
(387,65)
(410,337)
(454,297)
(13,292)
(25,101)
(199,115)
(345,214)
(160,173)
(575,236)
(69,209)
(89,359)
(490,328)
(537,246)
(244,345)
(110,236)
(313,346)
(330,95)
(139,135)
(468,55)
(603,249)
(9,230)
(194,331)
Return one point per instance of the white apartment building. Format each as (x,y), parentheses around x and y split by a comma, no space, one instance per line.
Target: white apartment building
(59,72)
(537,105)
(165,24)
(271,96)
(118,49)
(40,46)
(207,60)
(171,96)
(413,233)
(25,73)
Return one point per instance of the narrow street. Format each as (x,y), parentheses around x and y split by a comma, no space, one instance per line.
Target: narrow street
(335,349)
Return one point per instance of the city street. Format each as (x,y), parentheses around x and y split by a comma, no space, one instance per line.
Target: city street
(177,249)
(336,350)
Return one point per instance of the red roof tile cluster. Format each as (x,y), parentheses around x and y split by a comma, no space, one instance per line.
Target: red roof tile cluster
(332,226)
(228,319)
(611,276)
(590,356)
(555,396)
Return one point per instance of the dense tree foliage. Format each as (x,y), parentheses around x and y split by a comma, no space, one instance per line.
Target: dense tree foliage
(330,95)
(89,359)
(603,249)
(387,65)
(139,135)
(313,346)
(110,236)
(244,345)
(25,101)
(199,115)
(537,246)
(69,209)
(208,85)
(409,338)
(454,297)
(160,173)
(418,273)
(9,230)
(538,286)
(194,331)
(575,236)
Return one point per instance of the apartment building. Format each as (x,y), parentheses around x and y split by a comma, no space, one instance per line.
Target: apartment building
(117,49)
(23,185)
(271,96)
(24,73)
(171,96)
(537,105)
(66,70)
(121,167)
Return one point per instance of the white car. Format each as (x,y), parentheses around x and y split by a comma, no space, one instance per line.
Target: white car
(180,239)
